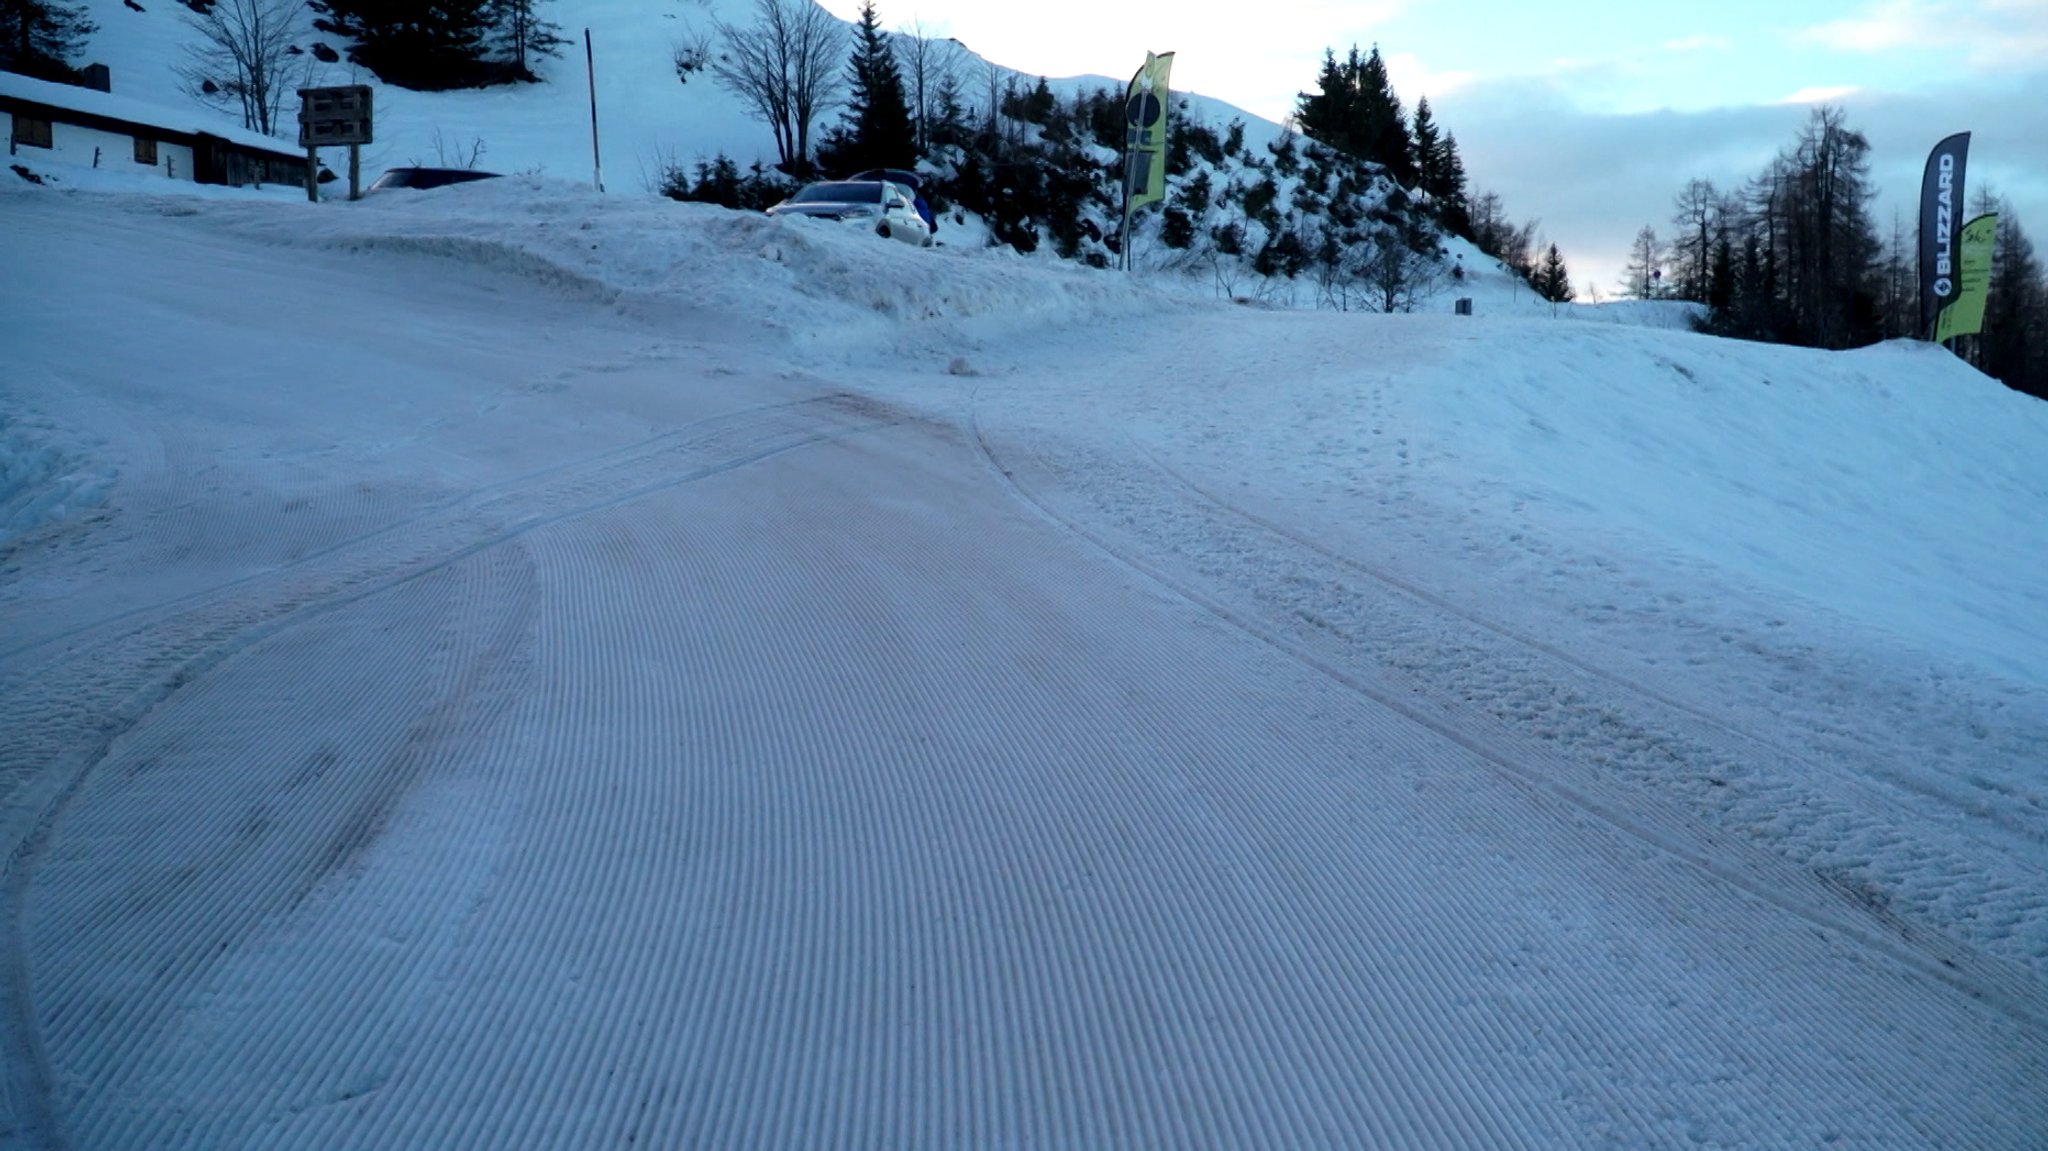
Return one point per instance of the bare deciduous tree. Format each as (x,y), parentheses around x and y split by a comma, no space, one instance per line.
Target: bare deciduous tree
(453,153)
(928,65)
(521,34)
(1643,278)
(1397,277)
(786,67)
(994,80)
(693,53)
(1696,216)
(244,58)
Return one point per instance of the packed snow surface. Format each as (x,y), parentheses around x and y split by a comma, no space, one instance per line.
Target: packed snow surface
(511,667)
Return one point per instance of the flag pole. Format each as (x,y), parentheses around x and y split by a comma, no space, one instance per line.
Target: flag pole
(1129,155)
(1130,167)
(590,66)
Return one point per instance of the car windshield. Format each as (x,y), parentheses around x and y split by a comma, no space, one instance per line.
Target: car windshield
(841,192)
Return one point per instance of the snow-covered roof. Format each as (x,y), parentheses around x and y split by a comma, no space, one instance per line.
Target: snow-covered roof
(127,109)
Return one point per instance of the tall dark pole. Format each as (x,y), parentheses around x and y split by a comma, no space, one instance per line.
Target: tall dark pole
(590,65)
(1130,158)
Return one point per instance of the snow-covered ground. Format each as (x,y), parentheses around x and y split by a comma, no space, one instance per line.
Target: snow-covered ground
(509,667)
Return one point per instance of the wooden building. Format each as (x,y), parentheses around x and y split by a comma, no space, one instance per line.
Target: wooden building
(61,124)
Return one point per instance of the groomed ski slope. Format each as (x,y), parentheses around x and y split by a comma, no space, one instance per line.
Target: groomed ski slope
(510,668)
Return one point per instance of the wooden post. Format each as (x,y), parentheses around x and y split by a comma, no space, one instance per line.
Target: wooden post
(312,173)
(355,171)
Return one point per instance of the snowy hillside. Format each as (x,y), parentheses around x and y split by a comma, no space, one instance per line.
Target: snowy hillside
(511,667)
(647,117)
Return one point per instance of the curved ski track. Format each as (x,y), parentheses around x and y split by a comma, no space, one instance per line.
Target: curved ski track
(62,716)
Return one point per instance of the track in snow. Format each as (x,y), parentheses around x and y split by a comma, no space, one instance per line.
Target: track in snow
(839,801)
(1636,732)
(64,710)
(1415,653)
(1685,780)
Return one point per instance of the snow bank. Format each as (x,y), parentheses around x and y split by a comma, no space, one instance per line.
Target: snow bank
(1893,484)
(39,483)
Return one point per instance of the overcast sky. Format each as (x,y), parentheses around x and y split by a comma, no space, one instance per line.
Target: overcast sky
(1590,115)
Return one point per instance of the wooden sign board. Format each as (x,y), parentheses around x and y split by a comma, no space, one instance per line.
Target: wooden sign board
(334,116)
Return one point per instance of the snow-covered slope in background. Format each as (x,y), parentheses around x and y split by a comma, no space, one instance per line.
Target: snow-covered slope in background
(648,118)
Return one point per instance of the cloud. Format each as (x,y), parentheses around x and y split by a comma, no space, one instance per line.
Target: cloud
(1593,179)
(1989,34)
(1825,95)
(1890,25)
(1413,79)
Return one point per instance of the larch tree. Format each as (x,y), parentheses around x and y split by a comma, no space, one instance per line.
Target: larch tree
(2014,347)
(931,67)
(1643,277)
(1696,216)
(1826,243)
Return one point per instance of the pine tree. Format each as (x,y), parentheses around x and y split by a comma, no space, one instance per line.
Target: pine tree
(518,35)
(1355,110)
(1439,171)
(876,131)
(1326,116)
(426,47)
(948,122)
(1452,206)
(2015,338)
(1429,151)
(39,38)
(1721,278)
(1551,281)
(1383,128)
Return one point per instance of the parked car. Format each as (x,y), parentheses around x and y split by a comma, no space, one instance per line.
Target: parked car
(428,177)
(884,206)
(910,180)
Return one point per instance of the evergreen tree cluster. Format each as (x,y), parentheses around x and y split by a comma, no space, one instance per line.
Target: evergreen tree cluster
(2014,343)
(433,45)
(41,38)
(1355,110)
(1359,222)
(720,181)
(1794,257)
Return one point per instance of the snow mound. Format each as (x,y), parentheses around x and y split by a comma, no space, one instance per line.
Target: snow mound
(829,288)
(40,483)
